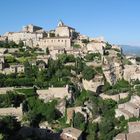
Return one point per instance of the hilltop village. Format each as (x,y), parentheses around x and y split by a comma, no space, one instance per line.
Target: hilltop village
(62,85)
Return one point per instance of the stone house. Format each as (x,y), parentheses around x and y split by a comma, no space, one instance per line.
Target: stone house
(133,126)
(4,90)
(53,93)
(11,111)
(129,109)
(71,134)
(133,132)
(16,68)
(64,31)
(83,110)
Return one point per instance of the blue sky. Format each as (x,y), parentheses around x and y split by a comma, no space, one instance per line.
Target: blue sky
(117,20)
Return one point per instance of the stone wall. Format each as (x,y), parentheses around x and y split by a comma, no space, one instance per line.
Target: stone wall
(11,111)
(54,92)
(62,42)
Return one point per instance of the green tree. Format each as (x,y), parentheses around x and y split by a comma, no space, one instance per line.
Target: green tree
(88,73)
(47,51)
(79,121)
(92,131)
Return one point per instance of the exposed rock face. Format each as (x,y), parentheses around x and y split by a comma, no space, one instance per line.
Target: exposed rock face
(112,67)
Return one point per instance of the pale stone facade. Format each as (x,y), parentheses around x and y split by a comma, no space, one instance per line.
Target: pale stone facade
(16,68)
(63,30)
(13,69)
(129,109)
(11,111)
(6,89)
(31,28)
(62,42)
(26,37)
(133,132)
(35,36)
(116,97)
(71,134)
(53,93)
(133,126)
(98,39)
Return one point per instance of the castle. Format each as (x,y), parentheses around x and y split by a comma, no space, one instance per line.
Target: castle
(62,37)
(35,36)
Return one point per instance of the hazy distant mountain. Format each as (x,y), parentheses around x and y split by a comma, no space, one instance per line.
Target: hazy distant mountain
(132,50)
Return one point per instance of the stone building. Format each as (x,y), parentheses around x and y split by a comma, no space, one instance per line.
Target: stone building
(64,31)
(52,42)
(83,110)
(11,111)
(133,132)
(35,36)
(16,68)
(31,28)
(30,35)
(129,109)
(71,134)
(133,127)
(53,93)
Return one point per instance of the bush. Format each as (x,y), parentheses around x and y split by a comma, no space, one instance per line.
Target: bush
(93,56)
(88,73)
